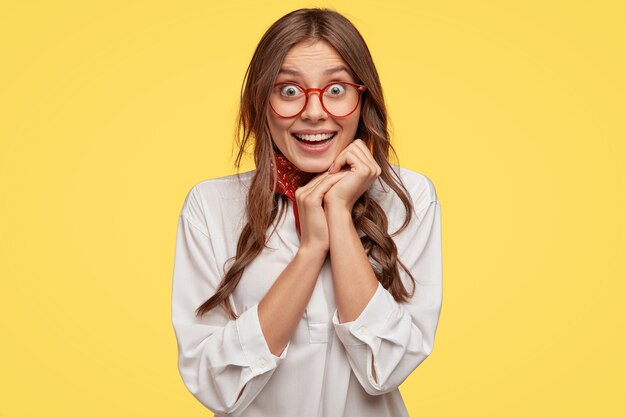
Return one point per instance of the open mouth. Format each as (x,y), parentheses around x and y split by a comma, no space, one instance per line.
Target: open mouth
(315,140)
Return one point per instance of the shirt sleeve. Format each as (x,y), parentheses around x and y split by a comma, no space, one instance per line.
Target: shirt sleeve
(397,337)
(218,358)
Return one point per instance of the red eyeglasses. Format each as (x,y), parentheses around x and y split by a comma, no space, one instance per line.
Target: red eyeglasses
(339,98)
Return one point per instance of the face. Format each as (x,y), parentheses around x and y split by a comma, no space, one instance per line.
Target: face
(306,64)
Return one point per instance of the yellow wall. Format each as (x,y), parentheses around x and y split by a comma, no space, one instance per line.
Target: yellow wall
(111,111)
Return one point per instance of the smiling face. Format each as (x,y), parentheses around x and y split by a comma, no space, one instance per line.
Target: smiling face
(309,65)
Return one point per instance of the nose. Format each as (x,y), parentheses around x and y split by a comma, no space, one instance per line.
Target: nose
(314,109)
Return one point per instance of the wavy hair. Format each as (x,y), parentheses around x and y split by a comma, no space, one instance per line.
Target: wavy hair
(262,202)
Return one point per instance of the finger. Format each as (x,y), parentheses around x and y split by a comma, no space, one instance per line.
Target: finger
(351,158)
(366,151)
(334,166)
(304,191)
(315,180)
(352,147)
(362,152)
(317,194)
(367,155)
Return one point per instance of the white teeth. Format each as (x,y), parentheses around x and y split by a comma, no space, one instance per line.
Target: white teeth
(315,138)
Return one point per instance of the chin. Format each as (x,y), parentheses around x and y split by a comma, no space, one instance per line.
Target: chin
(314,167)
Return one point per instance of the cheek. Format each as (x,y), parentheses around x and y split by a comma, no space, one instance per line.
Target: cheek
(273,124)
(353,124)
(278,128)
(274,120)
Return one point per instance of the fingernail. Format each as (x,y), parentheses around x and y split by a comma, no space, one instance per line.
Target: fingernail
(331,165)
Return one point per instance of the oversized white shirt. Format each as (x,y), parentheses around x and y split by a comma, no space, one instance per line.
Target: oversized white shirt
(325,369)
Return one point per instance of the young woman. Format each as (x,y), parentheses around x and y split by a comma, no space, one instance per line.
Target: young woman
(312,285)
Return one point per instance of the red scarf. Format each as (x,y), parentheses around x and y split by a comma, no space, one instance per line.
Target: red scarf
(290,178)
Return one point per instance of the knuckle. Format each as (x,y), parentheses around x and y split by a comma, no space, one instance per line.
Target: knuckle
(307,200)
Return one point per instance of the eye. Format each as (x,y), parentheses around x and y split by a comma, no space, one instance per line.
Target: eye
(336,89)
(289,90)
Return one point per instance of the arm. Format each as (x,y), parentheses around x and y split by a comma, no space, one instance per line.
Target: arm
(385,340)
(282,307)
(218,358)
(226,363)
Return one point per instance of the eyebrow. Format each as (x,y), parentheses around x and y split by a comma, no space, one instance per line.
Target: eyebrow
(328,71)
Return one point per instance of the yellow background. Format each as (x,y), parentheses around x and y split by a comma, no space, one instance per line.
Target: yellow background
(111,111)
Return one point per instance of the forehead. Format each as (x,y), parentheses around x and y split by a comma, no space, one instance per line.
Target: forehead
(314,59)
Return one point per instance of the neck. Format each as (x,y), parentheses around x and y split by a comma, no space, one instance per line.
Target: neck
(289,174)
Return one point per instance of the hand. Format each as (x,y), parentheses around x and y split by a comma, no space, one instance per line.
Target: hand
(313,225)
(363,171)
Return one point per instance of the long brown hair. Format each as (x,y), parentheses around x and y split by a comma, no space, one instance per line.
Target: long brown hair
(262,202)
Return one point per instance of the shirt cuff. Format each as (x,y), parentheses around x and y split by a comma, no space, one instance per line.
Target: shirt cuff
(365,328)
(253,343)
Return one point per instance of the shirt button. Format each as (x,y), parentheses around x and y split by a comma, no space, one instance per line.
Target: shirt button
(262,363)
(362,330)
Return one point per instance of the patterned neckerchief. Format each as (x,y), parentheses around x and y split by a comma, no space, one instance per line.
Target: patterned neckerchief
(290,178)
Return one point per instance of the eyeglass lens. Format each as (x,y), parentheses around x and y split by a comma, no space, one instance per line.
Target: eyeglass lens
(338,99)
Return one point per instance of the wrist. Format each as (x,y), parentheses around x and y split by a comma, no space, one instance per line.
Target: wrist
(338,214)
(312,253)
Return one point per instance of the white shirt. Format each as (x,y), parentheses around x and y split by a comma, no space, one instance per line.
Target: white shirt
(325,369)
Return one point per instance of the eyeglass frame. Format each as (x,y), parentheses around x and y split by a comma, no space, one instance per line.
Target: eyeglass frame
(360,88)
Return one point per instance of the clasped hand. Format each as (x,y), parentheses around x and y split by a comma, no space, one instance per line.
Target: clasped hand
(338,189)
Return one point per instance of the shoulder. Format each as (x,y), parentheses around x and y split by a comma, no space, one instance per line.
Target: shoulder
(420,187)
(225,194)
(227,187)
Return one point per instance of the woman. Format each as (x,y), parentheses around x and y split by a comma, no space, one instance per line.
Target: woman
(321,312)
